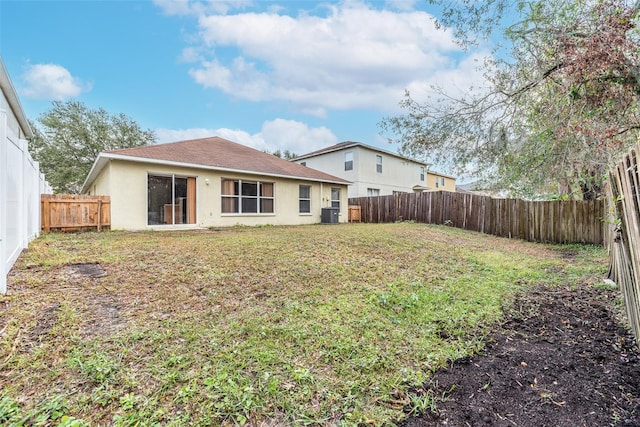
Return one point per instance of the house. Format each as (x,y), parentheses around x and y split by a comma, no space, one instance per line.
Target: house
(211,182)
(375,172)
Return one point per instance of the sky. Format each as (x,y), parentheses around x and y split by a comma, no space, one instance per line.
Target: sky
(273,75)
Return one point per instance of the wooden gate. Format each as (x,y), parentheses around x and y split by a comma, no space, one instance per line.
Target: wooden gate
(74,212)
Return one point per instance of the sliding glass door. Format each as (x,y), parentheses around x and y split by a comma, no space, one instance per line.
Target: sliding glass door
(171,200)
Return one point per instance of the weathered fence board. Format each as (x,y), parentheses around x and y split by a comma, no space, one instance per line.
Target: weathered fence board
(541,221)
(624,248)
(73,212)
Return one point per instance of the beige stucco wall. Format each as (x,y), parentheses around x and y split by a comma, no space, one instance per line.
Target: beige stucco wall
(126,183)
(102,184)
(434,182)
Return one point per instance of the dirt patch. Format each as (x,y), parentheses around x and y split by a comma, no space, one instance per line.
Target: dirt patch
(560,359)
(90,269)
(44,323)
(103,316)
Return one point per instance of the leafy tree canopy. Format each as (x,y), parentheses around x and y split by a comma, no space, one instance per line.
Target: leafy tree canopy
(68,138)
(555,112)
(286,154)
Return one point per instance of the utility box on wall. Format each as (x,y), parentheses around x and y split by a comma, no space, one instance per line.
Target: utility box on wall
(330,215)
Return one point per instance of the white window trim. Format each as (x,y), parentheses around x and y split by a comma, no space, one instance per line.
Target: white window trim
(239,198)
(300,199)
(173,196)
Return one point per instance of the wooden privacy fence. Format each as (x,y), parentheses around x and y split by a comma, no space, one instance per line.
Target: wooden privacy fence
(73,212)
(549,221)
(624,249)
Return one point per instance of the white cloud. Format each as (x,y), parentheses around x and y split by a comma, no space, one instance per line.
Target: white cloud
(278,134)
(281,134)
(352,55)
(52,82)
(454,81)
(190,54)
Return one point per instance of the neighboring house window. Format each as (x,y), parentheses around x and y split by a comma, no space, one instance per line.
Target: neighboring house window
(335,198)
(378,164)
(171,200)
(422,174)
(305,198)
(442,182)
(348,160)
(240,196)
(437,182)
(373,191)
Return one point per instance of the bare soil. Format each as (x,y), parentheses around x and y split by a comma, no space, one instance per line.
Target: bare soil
(561,358)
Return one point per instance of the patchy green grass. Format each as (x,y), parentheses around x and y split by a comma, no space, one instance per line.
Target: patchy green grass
(283,325)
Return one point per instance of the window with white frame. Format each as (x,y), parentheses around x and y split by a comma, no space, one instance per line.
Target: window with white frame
(348,160)
(305,198)
(335,198)
(246,197)
(442,181)
(373,192)
(378,163)
(422,174)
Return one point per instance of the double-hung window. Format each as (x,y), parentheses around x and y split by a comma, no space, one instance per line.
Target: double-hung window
(422,174)
(378,163)
(348,160)
(246,197)
(305,198)
(335,198)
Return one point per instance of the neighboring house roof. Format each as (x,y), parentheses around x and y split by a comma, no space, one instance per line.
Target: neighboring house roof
(350,144)
(212,153)
(14,102)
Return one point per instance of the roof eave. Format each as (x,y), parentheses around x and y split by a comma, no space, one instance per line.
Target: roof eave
(104,157)
(357,144)
(97,167)
(329,150)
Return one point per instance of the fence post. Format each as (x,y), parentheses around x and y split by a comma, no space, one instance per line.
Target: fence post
(99,215)
(3,201)
(23,226)
(46,213)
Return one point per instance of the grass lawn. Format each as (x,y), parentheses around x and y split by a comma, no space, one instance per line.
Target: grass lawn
(332,325)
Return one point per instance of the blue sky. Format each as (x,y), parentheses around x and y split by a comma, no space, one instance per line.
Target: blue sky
(296,75)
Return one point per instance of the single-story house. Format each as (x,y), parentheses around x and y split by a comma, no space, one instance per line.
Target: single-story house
(211,182)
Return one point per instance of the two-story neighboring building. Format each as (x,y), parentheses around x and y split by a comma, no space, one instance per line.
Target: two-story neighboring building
(375,172)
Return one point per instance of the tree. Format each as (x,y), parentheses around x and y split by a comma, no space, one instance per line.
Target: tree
(72,135)
(286,154)
(556,111)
